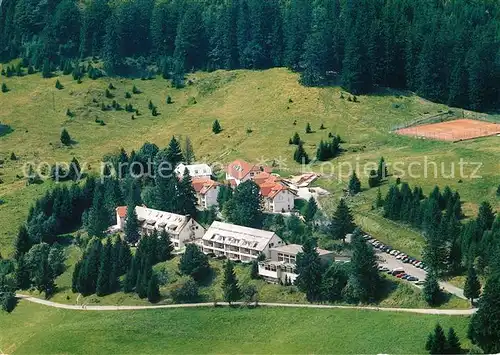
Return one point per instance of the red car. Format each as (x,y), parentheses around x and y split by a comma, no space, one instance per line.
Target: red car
(400,275)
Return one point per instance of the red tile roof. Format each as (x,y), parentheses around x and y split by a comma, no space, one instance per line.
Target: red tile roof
(122,211)
(239,169)
(203,185)
(271,189)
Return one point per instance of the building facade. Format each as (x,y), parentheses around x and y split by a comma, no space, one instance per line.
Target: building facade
(280,267)
(238,242)
(181,229)
(195,170)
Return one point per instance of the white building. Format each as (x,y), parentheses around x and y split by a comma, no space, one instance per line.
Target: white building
(195,170)
(276,196)
(182,229)
(238,242)
(280,267)
(207,191)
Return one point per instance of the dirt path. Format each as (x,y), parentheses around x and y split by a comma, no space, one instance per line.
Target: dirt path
(453,312)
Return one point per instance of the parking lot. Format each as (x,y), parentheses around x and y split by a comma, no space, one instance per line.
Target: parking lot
(395,262)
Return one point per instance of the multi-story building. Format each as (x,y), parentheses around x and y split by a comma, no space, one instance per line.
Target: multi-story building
(280,266)
(182,229)
(207,191)
(238,242)
(240,171)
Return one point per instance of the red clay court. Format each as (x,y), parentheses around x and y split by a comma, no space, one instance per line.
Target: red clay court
(454,131)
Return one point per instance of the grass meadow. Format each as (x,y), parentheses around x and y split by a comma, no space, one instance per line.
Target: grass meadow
(33,328)
(259,111)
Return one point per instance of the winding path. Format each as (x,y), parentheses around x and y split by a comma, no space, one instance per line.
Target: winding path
(451,312)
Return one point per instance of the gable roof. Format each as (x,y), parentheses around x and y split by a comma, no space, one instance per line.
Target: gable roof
(244,237)
(203,185)
(239,169)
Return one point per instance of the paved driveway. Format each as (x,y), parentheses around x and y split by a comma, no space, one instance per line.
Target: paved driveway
(392,263)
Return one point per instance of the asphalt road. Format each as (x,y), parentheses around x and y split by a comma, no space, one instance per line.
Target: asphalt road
(453,312)
(391,263)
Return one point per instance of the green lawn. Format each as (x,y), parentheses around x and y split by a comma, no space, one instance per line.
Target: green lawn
(241,100)
(36,329)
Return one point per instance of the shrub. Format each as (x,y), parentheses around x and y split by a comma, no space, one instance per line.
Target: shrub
(109,95)
(169,100)
(59,86)
(135,90)
(13,156)
(186,292)
(192,101)
(150,105)
(127,95)
(4,88)
(111,87)
(322,126)
(154,112)
(31,70)
(69,113)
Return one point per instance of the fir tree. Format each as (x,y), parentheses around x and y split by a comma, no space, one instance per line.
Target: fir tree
(131,225)
(436,342)
(65,137)
(216,127)
(194,263)
(354,184)
(46,70)
(187,195)
(342,221)
(174,152)
(22,243)
(472,287)
(59,86)
(230,283)
(189,156)
(453,342)
(431,291)
(309,270)
(373,179)
(4,88)
(379,202)
(300,155)
(165,247)
(102,287)
(296,139)
(311,209)
(308,128)
(382,170)
(153,293)
(245,207)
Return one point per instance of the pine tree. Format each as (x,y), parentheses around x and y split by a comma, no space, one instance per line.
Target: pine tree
(245,207)
(453,342)
(472,287)
(23,243)
(300,155)
(309,270)
(308,128)
(431,291)
(364,278)
(373,179)
(46,70)
(216,127)
(174,152)
(484,328)
(102,287)
(342,221)
(165,247)
(485,216)
(59,86)
(311,209)
(4,88)
(436,342)
(354,184)
(194,263)
(296,139)
(65,137)
(131,225)
(187,195)
(153,293)
(230,283)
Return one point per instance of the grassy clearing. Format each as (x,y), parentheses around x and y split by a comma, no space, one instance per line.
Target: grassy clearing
(33,329)
(241,101)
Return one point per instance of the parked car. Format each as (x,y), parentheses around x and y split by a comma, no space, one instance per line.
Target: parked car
(419,282)
(413,278)
(406,260)
(400,275)
(383,268)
